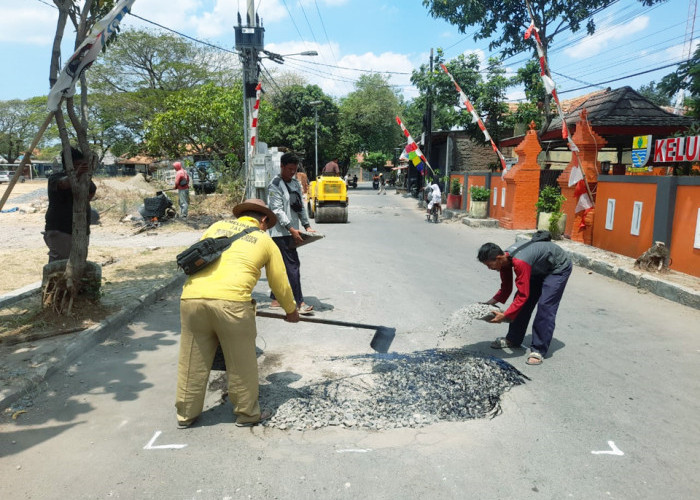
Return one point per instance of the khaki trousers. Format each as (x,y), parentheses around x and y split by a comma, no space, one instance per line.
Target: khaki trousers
(206,323)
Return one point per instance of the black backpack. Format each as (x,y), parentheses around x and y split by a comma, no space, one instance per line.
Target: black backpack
(206,251)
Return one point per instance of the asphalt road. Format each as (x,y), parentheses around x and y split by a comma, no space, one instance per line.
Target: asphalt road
(612,412)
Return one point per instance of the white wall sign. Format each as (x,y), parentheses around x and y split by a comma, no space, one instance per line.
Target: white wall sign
(503,197)
(495,196)
(697,231)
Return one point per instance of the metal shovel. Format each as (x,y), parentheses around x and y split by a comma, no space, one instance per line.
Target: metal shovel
(383,335)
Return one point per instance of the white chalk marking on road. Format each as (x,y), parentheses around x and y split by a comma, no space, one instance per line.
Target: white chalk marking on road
(614,450)
(354,450)
(351,291)
(124,422)
(150,446)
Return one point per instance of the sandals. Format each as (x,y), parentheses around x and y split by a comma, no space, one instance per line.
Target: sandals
(306,310)
(502,343)
(264,415)
(534,358)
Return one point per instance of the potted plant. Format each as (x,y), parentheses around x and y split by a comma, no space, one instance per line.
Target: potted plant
(454,198)
(549,214)
(478,206)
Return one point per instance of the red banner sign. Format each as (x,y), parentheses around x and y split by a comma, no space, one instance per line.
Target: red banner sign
(677,149)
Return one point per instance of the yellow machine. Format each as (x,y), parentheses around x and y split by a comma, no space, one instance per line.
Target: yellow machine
(328,199)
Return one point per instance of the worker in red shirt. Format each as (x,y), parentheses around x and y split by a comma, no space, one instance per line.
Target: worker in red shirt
(182,184)
(541,270)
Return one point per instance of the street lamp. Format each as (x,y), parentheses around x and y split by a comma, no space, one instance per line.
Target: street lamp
(279,58)
(314,104)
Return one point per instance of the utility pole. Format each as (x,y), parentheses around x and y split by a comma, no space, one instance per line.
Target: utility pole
(249,43)
(429,115)
(315,105)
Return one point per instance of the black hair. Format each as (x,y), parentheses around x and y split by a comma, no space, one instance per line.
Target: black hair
(258,216)
(75,155)
(489,251)
(288,158)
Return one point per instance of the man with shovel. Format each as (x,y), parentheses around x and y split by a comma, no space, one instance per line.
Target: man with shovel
(216,308)
(541,270)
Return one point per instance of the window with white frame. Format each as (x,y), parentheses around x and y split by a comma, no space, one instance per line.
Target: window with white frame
(636,218)
(610,214)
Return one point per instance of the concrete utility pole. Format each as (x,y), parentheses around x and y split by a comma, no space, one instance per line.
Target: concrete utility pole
(249,43)
(429,116)
(315,105)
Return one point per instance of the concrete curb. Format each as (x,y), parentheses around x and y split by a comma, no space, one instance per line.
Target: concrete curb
(19,294)
(644,281)
(67,352)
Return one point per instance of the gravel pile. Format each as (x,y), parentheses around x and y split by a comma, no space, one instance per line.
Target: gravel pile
(458,324)
(411,390)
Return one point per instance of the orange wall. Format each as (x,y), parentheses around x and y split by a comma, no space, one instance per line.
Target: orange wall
(684,257)
(498,210)
(474,180)
(619,239)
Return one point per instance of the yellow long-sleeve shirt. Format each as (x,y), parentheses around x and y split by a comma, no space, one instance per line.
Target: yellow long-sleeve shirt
(234,275)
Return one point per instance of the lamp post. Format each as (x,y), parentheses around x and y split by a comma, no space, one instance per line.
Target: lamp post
(315,104)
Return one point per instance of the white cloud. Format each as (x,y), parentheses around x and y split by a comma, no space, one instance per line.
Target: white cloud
(605,36)
(35,25)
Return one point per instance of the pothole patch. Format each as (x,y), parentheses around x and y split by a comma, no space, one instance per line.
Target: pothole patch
(395,391)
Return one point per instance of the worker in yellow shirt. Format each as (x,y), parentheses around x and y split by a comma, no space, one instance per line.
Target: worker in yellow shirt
(216,308)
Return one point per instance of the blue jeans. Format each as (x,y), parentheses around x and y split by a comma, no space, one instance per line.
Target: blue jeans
(545,293)
(292,264)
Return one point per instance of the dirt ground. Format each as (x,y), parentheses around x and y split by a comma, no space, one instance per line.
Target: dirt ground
(113,244)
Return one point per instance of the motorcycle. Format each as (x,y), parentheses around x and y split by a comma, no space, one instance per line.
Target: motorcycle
(375,183)
(352,183)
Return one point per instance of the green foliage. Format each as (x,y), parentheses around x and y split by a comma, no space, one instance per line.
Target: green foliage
(367,117)
(19,122)
(654,93)
(291,122)
(373,160)
(523,115)
(550,200)
(455,187)
(554,219)
(479,193)
(206,120)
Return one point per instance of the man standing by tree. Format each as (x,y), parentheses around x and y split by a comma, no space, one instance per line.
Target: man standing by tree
(182,184)
(58,232)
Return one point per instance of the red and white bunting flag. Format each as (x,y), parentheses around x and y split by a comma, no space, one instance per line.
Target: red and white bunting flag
(584,202)
(86,54)
(477,119)
(254,119)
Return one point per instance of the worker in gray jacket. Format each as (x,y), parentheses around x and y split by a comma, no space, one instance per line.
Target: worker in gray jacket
(285,199)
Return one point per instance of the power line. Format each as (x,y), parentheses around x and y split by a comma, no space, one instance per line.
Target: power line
(620,78)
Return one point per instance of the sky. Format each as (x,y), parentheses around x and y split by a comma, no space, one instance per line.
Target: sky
(354,37)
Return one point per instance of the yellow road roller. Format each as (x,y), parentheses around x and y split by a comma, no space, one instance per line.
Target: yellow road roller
(328,199)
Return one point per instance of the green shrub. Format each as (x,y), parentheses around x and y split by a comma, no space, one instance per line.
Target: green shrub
(479,193)
(550,200)
(456,187)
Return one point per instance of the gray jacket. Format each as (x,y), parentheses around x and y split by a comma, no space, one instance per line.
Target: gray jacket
(278,201)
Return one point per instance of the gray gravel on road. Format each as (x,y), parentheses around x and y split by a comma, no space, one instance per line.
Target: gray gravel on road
(398,390)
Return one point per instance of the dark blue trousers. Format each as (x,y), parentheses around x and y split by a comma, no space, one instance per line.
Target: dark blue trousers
(292,263)
(545,293)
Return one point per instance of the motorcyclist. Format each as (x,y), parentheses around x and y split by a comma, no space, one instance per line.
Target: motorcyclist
(435,198)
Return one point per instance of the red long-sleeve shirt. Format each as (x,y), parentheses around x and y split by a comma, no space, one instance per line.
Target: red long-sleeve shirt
(523,272)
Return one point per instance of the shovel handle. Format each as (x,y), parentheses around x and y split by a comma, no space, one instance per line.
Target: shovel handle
(265,314)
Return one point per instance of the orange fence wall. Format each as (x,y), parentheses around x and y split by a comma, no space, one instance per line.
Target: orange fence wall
(619,239)
(497,203)
(685,255)
(474,180)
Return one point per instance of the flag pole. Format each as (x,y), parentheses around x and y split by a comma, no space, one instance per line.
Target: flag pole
(25,159)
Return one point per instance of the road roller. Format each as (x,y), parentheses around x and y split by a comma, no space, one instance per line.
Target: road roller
(328,199)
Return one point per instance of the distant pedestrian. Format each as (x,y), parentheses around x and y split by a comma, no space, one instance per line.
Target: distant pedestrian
(382,185)
(541,270)
(216,308)
(182,184)
(58,231)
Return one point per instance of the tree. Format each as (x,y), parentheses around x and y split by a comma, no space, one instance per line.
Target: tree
(687,76)
(652,92)
(291,121)
(62,289)
(505,22)
(367,117)
(374,159)
(204,120)
(19,122)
